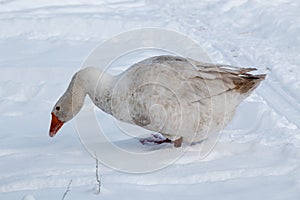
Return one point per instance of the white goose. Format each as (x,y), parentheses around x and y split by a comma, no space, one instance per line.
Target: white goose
(183,99)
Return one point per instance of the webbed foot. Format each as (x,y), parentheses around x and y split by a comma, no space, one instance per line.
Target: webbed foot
(155,139)
(178,142)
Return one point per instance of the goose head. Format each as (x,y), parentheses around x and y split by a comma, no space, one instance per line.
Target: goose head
(67,106)
(61,113)
(70,103)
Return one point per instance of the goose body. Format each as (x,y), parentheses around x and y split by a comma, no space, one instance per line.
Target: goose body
(183,99)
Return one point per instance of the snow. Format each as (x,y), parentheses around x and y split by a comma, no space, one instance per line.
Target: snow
(43,44)
(28,197)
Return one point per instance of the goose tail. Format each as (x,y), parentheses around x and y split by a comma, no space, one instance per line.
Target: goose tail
(245,83)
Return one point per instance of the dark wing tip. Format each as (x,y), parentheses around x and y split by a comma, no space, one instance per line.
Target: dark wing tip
(251,76)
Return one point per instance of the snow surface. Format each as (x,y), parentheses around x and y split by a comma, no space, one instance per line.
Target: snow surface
(43,43)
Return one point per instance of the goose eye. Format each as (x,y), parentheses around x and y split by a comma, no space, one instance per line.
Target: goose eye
(57,108)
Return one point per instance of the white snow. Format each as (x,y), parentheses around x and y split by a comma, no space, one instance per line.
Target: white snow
(43,43)
(28,197)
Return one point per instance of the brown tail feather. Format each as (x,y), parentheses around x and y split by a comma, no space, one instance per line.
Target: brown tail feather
(246,83)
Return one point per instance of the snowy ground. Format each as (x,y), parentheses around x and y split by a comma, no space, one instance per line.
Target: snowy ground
(43,44)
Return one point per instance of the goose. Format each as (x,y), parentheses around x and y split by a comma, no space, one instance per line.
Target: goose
(182,99)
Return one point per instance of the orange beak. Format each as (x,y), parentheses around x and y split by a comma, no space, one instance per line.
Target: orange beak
(56,124)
